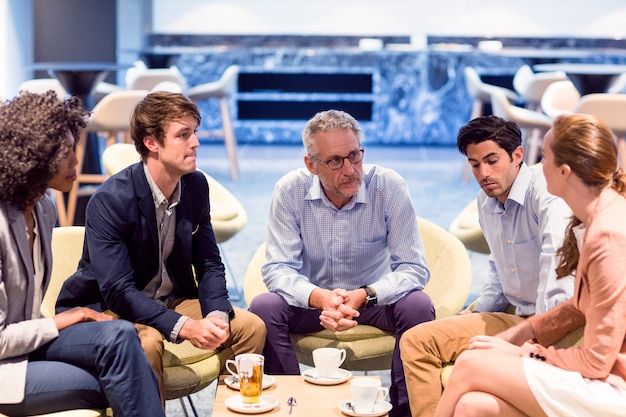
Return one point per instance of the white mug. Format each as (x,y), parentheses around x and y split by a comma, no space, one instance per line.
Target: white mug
(366,394)
(328,360)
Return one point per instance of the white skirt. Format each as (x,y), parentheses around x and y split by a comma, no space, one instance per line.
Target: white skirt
(562,393)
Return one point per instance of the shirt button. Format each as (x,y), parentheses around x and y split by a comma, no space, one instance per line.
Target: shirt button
(509,242)
(512,269)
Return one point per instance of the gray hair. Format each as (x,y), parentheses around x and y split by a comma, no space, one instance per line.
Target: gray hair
(325,121)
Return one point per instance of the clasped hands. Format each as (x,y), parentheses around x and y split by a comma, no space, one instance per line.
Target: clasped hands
(208,333)
(339,307)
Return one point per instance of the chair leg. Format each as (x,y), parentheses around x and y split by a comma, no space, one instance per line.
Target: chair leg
(533,144)
(73,194)
(183,406)
(229,138)
(61,210)
(193,407)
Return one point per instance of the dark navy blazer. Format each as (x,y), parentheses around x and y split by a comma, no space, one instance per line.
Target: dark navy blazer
(121,254)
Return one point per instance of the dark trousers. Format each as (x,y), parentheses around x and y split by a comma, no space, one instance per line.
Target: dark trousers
(90,365)
(281,319)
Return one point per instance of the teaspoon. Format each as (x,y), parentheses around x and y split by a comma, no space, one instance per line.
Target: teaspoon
(291,401)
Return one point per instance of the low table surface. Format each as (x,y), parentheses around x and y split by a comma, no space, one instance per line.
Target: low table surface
(313,400)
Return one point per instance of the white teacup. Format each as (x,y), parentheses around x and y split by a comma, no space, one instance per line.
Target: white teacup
(328,360)
(366,394)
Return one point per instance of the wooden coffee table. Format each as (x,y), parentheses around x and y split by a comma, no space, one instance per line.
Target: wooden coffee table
(313,400)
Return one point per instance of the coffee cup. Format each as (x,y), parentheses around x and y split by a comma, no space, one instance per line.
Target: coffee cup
(328,360)
(366,394)
(249,370)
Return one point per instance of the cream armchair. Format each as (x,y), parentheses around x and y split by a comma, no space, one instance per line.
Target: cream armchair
(369,348)
(187,369)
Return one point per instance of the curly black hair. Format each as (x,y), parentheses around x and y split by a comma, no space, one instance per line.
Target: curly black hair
(33,128)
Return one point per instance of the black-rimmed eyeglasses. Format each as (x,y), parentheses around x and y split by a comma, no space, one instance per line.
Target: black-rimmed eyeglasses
(336,162)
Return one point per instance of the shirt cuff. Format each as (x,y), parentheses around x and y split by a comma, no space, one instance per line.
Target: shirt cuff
(221,314)
(179,325)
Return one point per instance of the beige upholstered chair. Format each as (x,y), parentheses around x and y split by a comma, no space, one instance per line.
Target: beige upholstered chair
(466,228)
(559,98)
(118,156)
(534,124)
(531,85)
(369,348)
(187,369)
(67,247)
(111,116)
(221,90)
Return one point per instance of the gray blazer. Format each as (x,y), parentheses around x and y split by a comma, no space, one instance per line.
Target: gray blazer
(21,332)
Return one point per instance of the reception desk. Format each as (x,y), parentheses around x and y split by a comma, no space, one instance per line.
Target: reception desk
(401,94)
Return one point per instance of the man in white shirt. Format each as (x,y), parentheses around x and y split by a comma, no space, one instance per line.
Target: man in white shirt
(524,225)
(343,248)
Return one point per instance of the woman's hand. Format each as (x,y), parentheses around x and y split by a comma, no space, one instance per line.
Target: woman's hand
(78,315)
(492,342)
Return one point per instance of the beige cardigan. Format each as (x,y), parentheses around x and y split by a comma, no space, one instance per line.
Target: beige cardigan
(599,301)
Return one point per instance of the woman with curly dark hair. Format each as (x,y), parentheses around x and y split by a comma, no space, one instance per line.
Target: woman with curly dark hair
(79,358)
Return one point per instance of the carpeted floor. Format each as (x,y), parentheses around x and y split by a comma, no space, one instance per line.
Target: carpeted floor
(434,176)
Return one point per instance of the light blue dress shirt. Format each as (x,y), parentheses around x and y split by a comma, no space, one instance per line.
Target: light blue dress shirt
(373,240)
(523,236)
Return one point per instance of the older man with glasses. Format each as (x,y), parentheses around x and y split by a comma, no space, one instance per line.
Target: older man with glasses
(343,249)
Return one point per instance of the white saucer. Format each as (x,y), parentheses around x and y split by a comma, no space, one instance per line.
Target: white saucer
(266,404)
(312,376)
(233,383)
(381,408)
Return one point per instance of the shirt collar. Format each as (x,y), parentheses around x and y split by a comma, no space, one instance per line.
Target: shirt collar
(157,194)
(316,193)
(521,184)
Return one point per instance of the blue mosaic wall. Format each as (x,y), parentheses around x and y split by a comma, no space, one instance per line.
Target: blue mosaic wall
(418,97)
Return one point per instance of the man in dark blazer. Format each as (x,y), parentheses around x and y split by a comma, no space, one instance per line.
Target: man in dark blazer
(150,255)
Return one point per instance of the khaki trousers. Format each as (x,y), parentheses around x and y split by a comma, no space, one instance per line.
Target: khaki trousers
(247,335)
(425,349)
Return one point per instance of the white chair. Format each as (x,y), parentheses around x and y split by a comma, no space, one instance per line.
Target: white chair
(221,90)
(611,109)
(533,123)
(619,85)
(139,77)
(560,97)
(42,85)
(480,91)
(169,86)
(112,116)
(531,86)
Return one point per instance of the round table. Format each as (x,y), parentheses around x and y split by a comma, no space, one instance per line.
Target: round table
(587,78)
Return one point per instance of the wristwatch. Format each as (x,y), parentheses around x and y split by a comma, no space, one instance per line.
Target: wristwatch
(371,299)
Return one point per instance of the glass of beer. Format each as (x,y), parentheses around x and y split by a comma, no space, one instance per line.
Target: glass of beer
(250,374)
